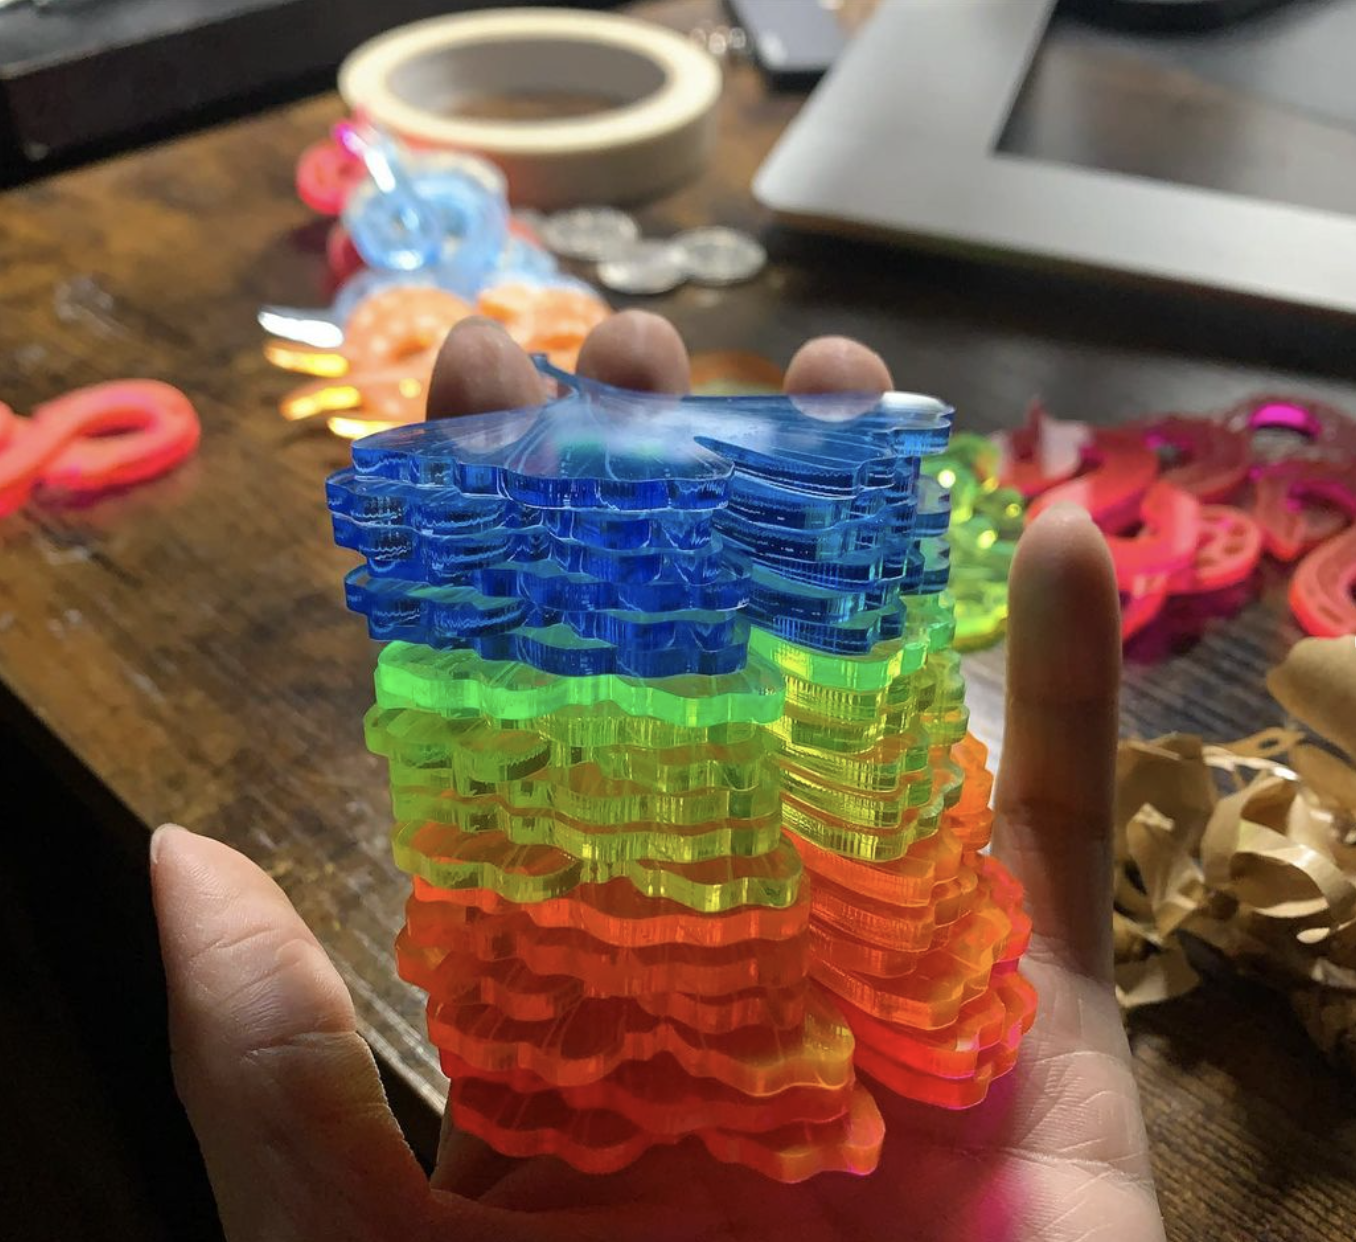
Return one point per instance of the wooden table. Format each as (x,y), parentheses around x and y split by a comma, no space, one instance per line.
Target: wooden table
(182,651)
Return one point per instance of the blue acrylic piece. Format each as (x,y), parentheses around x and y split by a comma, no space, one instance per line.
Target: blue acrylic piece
(637,533)
(933,512)
(426,213)
(638,644)
(596,446)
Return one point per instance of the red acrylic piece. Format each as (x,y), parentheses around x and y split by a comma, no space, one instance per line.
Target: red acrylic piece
(1290,526)
(1123,468)
(1044,452)
(104,436)
(1138,611)
(1227,551)
(1212,457)
(1165,545)
(1323,590)
(326,175)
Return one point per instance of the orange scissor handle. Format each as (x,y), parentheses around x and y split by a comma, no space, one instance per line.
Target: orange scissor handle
(106,435)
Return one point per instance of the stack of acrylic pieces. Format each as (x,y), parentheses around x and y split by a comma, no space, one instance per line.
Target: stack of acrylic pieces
(678,760)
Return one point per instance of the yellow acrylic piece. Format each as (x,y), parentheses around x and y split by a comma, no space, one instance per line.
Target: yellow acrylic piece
(525,873)
(865,844)
(583,792)
(585,839)
(882,767)
(454,682)
(461,755)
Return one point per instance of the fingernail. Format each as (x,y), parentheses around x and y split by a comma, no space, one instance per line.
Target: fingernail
(478,321)
(1070,508)
(159,835)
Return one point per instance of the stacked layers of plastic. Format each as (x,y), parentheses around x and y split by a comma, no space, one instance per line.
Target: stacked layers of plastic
(679,764)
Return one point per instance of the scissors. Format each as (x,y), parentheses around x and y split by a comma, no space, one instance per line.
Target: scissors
(104,436)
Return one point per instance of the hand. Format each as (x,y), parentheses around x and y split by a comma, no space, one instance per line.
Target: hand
(284,1094)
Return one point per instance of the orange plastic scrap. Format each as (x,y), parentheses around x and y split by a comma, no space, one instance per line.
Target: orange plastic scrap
(603,1141)
(596,1036)
(380,375)
(617,913)
(545,319)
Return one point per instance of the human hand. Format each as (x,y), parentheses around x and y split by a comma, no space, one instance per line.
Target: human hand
(284,1094)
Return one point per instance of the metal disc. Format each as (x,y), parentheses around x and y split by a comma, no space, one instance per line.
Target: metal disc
(720,256)
(643,267)
(593,233)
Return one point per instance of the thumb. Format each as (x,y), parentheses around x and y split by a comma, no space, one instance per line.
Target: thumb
(281,1090)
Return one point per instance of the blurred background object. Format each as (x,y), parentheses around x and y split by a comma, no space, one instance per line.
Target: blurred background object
(83,78)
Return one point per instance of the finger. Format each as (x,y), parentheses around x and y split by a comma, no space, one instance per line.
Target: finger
(282,1092)
(1055,788)
(481,369)
(638,350)
(837,364)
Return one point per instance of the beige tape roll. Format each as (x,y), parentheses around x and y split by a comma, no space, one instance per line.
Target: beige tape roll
(658,134)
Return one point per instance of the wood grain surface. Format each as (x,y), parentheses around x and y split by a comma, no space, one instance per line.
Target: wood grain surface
(182,651)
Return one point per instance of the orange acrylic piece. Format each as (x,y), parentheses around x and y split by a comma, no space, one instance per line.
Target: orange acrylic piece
(906,881)
(525,996)
(542,1123)
(955,1068)
(607,969)
(597,1036)
(946,977)
(619,914)
(663,1098)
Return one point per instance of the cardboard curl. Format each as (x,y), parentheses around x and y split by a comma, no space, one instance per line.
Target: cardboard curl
(1250,847)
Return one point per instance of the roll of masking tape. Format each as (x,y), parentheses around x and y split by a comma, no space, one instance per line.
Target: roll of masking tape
(653,130)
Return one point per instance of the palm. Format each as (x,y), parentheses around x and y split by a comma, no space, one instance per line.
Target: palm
(285,1098)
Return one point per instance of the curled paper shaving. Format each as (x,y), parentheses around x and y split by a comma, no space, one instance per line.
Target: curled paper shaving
(1249,846)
